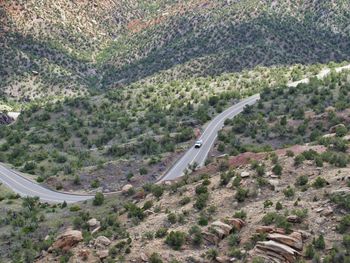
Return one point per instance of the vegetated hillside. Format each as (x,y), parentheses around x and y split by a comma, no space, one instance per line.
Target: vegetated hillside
(227,211)
(130,134)
(289,116)
(284,205)
(69,47)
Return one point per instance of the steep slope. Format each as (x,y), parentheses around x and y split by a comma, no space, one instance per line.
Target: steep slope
(70,47)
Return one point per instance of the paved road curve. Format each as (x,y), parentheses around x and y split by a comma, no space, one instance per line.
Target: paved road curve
(25,187)
(195,155)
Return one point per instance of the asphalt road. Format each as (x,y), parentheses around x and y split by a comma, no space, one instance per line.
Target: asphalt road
(199,155)
(25,187)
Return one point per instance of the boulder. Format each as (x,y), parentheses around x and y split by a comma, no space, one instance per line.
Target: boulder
(225,227)
(276,252)
(327,212)
(126,188)
(293,240)
(67,240)
(245,174)
(102,254)
(223,259)
(102,242)
(210,238)
(269,229)
(83,253)
(93,223)
(237,223)
(294,219)
(143,257)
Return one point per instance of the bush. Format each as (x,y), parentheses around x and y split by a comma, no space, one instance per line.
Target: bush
(134,211)
(344,224)
(279,206)
(319,243)
(277,169)
(346,241)
(309,251)
(241,194)
(203,220)
(196,235)
(201,201)
(302,180)
(155,258)
(148,204)
(185,201)
(175,239)
(74,208)
(268,203)
(99,199)
(234,240)
(240,214)
(343,201)
(157,190)
(299,159)
(319,182)
(289,192)
(161,232)
(201,189)
(212,253)
(172,218)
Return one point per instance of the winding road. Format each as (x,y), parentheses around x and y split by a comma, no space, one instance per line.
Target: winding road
(25,187)
(199,155)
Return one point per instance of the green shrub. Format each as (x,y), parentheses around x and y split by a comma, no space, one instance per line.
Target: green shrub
(289,192)
(201,189)
(302,180)
(241,194)
(319,182)
(157,190)
(203,220)
(74,208)
(155,258)
(279,206)
(185,201)
(234,240)
(161,232)
(344,224)
(240,214)
(309,252)
(201,201)
(148,204)
(342,200)
(175,239)
(346,241)
(211,254)
(99,199)
(268,203)
(319,243)
(172,218)
(299,159)
(196,236)
(277,169)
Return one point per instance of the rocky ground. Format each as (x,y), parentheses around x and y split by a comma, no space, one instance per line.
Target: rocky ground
(298,217)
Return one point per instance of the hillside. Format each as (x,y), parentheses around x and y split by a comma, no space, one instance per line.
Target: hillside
(100,98)
(70,48)
(288,202)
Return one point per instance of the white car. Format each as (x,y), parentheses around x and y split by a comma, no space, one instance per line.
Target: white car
(198,144)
